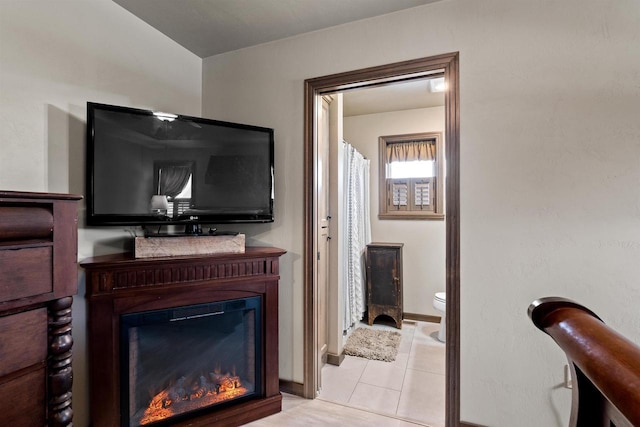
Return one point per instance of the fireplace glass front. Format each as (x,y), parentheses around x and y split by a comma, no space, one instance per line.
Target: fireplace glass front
(183,361)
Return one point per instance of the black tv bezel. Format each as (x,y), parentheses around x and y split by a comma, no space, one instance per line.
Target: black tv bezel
(94,219)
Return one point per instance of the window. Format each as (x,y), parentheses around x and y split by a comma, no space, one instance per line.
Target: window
(175,181)
(411,176)
(182,202)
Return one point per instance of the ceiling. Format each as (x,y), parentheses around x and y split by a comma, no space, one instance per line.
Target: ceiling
(394,97)
(213,27)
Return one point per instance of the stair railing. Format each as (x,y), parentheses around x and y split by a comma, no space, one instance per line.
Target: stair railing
(605,365)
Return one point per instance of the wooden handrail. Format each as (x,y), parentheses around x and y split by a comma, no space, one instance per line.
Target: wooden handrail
(605,364)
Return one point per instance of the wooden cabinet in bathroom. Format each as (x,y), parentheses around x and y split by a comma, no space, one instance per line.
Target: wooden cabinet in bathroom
(384,281)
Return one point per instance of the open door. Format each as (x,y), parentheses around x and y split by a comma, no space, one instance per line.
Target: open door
(322,237)
(385,74)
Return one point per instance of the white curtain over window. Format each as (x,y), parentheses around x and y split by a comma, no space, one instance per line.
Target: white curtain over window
(357,233)
(408,151)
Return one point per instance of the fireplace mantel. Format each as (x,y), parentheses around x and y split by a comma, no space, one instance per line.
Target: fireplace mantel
(120,284)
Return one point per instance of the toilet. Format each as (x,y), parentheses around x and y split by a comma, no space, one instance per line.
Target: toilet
(440,304)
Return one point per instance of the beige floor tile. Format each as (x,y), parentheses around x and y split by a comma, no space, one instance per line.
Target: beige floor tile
(401,360)
(427,333)
(386,374)
(339,382)
(290,401)
(423,398)
(405,344)
(410,388)
(427,357)
(408,327)
(317,413)
(377,399)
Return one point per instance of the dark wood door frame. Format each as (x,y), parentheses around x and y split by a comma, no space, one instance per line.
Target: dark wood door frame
(375,76)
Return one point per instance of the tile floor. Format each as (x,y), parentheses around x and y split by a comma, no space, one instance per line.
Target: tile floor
(408,392)
(300,412)
(410,388)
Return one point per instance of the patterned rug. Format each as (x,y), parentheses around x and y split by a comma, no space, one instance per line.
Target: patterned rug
(373,344)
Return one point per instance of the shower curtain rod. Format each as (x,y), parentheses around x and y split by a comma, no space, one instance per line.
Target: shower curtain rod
(345,142)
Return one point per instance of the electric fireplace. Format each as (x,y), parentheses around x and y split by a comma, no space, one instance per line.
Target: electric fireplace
(183,341)
(188,359)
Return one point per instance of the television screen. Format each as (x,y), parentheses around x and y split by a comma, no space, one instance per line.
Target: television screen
(145,167)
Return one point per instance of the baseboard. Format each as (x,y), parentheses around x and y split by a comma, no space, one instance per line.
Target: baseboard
(292,387)
(466,424)
(335,359)
(421,317)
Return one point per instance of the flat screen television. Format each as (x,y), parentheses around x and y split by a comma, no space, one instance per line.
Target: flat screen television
(152,168)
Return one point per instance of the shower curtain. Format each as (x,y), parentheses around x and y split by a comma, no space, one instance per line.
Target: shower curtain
(357,233)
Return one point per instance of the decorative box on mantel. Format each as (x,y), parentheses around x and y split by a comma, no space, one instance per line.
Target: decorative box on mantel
(183,341)
(163,246)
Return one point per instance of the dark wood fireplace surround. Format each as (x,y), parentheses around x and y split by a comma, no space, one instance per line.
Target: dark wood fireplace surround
(120,284)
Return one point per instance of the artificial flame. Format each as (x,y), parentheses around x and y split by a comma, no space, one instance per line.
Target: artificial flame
(182,397)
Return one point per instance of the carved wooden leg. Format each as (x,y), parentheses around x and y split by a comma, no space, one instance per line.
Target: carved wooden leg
(59,363)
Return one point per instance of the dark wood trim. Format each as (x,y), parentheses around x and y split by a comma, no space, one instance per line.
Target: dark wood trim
(36,195)
(386,209)
(335,359)
(375,76)
(310,314)
(421,317)
(59,362)
(452,194)
(466,424)
(292,387)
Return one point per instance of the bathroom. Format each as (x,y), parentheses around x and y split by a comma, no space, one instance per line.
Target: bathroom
(422,352)
(424,240)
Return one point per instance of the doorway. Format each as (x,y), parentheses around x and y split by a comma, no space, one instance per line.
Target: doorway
(375,76)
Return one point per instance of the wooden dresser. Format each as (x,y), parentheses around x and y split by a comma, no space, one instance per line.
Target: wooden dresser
(384,281)
(38,276)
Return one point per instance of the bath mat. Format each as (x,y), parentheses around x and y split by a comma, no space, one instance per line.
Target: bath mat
(373,344)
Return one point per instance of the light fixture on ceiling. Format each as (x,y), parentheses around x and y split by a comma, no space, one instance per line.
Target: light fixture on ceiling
(437,85)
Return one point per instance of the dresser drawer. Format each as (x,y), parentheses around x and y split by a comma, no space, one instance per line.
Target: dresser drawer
(25,222)
(23,400)
(24,340)
(25,272)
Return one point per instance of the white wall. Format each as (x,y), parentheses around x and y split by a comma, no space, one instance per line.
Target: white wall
(550,142)
(549,148)
(424,241)
(54,57)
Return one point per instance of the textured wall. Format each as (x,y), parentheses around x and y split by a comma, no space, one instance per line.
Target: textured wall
(54,57)
(550,143)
